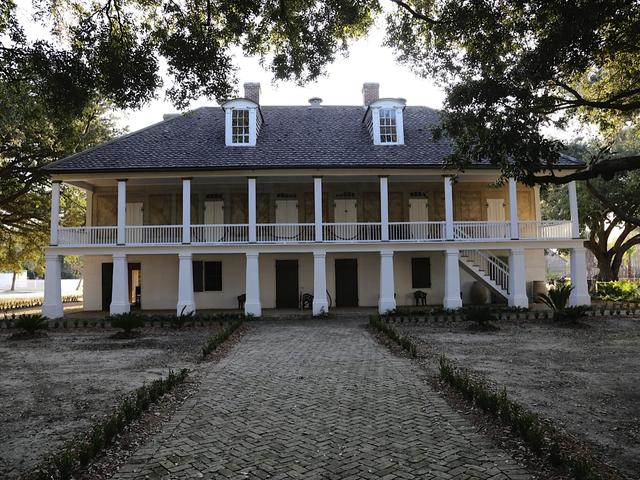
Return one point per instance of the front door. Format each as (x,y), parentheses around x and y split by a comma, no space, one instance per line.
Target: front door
(286,284)
(107,283)
(346,282)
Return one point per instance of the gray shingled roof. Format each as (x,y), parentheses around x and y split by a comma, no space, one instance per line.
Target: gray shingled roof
(291,137)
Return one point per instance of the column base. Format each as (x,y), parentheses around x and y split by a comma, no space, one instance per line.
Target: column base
(520,301)
(118,308)
(386,306)
(452,303)
(580,300)
(53,311)
(320,307)
(254,309)
(185,308)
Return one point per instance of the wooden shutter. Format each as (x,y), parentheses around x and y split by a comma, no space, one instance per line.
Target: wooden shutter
(197,276)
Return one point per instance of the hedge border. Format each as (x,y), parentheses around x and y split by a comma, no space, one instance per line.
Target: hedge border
(8,304)
(405,342)
(218,339)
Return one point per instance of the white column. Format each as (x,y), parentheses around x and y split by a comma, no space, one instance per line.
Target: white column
(122,211)
(186,210)
(89,212)
(186,300)
(517,279)
(55,212)
(251,187)
(573,209)
(580,293)
(448,207)
(387,300)
(252,305)
(384,208)
(513,209)
(52,306)
(317,207)
(120,285)
(452,299)
(320,303)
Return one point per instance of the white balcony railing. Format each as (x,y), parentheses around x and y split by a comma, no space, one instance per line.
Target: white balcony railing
(285,232)
(416,231)
(546,229)
(87,235)
(481,231)
(203,234)
(152,234)
(305,232)
(351,232)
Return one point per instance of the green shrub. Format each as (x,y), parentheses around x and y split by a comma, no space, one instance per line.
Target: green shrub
(481,315)
(618,291)
(216,340)
(31,323)
(126,321)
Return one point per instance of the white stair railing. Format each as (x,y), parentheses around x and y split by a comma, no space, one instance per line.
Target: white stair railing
(494,268)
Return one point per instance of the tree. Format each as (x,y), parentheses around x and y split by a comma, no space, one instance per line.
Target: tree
(609,236)
(18,250)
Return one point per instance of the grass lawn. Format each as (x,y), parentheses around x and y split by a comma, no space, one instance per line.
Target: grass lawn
(587,379)
(53,388)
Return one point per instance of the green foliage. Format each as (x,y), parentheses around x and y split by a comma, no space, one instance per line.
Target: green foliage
(379,323)
(557,298)
(126,321)
(482,315)
(618,291)
(13,303)
(31,323)
(216,340)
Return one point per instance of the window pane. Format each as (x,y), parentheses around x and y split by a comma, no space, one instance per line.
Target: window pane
(388,132)
(420,273)
(197,276)
(240,126)
(213,276)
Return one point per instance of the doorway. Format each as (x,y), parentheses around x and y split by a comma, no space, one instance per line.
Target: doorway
(107,284)
(286,284)
(346,282)
(135,285)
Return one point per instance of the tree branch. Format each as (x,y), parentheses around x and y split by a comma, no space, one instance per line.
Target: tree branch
(635,221)
(606,169)
(414,13)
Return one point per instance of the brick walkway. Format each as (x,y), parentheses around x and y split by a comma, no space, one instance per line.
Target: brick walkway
(317,399)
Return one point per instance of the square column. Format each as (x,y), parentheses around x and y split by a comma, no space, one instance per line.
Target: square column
(52,306)
(387,300)
(448,208)
(186,210)
(186,300)
(55,212)
(452,298)
(517,279)
(120,285)
(317,207)
(320,303)
(252,305)
(251,188)
(384,209)
(580,293)
(513,209)
(573,210)
(122,212)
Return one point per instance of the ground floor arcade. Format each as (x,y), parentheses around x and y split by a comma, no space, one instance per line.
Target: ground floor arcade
(320,280)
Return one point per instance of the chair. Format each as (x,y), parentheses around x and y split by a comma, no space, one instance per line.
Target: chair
(420,298)
(307,301)
(241,301)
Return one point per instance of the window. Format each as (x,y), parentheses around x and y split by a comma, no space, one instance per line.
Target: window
(420,273)
(388,130)
(207,276)
(240,126)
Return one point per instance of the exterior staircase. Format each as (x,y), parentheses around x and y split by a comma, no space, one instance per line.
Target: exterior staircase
(487,267)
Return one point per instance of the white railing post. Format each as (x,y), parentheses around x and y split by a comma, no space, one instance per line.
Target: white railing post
(251,187)
(573,209)
(384,209)
(448,207)
(55,212)
(317,207)
(387,300)
(122,211)
(320,304)
(186,210)
(452,299)
(517,279)
(513,208)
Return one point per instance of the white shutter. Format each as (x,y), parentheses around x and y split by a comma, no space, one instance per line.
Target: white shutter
(495,210)
(213,212)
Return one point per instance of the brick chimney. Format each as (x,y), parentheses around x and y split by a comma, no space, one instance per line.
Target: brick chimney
(370,93)
(252,92)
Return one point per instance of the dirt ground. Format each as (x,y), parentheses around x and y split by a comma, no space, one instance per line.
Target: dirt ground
(53,388)
(588,379)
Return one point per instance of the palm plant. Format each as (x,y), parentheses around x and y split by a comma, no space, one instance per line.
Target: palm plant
(558,299)
(31,323)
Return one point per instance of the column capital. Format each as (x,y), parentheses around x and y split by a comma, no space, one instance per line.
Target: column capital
(121,255)
(52,256)
(517,251)
(185,255)
(452,251)
(319,254)
(252,254)
(122,180)
(386,253)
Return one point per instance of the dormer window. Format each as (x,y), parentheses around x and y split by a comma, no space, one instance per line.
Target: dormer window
(239,126)
(242,122)
(388,128)
(384,121)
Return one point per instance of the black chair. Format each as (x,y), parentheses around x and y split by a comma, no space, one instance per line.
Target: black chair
(307,301)
(420,298)
(242,300)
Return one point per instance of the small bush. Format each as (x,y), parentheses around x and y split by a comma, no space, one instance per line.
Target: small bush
(126,322)
(31,323)
(618,291)
(216,340)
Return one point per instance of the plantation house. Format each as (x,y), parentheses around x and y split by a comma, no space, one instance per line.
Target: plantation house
(254,206)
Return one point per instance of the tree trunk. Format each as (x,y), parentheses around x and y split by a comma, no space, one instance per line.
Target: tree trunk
(606,273)
(13,281)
